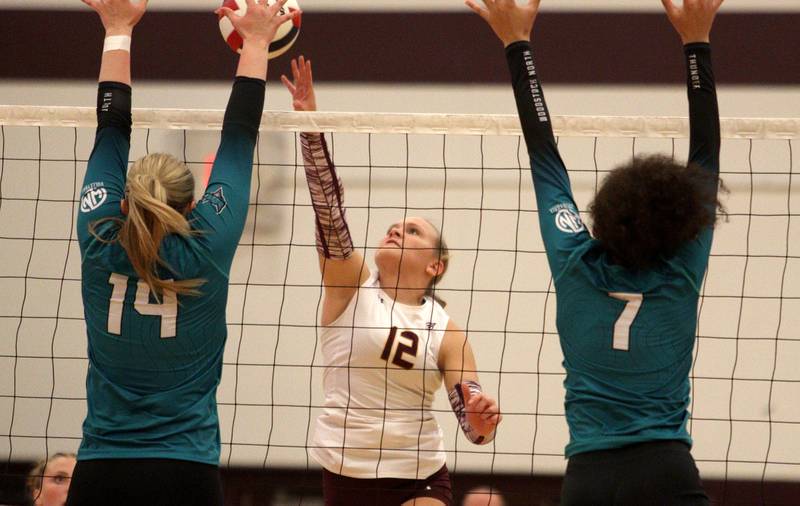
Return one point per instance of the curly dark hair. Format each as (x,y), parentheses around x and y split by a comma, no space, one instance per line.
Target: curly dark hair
(646,210)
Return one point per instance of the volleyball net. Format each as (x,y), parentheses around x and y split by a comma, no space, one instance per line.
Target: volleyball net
(469,175)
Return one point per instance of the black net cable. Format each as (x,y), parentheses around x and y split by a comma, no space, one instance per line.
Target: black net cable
(739,322)
(240,328)
(780,322)
(282,304)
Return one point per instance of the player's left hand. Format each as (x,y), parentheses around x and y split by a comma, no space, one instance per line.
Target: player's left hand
(483,413)
(511,22)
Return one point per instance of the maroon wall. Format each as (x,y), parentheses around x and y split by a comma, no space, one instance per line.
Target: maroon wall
(446,47)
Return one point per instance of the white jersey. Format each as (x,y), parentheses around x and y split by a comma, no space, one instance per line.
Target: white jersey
(380,377)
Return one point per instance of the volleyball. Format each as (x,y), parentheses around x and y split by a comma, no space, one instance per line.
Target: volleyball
(284,38)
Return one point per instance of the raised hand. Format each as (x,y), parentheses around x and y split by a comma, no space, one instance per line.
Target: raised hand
(511,22)
(483,414)
(693,20)
(118,16)
(302,89)
(260,22)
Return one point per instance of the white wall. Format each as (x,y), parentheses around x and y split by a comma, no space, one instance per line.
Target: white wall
(735,101)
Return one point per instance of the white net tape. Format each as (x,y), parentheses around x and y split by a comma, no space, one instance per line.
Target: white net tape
(391,123)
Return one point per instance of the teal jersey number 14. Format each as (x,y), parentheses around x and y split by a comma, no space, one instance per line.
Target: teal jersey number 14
(155,362)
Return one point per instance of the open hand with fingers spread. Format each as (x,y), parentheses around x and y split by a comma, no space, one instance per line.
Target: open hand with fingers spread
(693,19)
(510,21)
(260,22)
(118,16)
(302,88)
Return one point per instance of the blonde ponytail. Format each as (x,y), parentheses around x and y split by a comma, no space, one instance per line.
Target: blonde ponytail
(159,188)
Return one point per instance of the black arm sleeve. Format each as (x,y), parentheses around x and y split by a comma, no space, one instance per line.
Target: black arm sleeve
(114,107)
(559,220)
(222,212)
(104,182)
(704,144)
(246,104)
(532,109)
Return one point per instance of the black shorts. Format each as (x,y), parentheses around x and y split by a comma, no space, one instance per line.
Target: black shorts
(657,473)
(344,491)
(153,482)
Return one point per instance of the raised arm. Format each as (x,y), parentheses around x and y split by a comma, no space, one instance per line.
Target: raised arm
(104,182)
(561,226)
(118,18)
(477,413)
(693,22)
(223,208)
(343,268)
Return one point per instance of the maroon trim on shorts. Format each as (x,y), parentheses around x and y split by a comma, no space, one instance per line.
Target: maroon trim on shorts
(345,491)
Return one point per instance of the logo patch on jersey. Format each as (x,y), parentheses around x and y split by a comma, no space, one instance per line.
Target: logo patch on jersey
(216,199)
(430,325)
(567,219)
(92,197)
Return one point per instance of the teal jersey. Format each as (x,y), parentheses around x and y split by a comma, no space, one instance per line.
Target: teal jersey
(154,366)
(627,337)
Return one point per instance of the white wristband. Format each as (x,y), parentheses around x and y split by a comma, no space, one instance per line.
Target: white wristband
(117,42)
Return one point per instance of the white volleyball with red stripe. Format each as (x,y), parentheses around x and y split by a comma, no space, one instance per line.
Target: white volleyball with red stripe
(284,38)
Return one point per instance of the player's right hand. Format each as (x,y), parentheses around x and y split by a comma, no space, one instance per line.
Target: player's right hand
(693,19)
(118,16)
(302,88)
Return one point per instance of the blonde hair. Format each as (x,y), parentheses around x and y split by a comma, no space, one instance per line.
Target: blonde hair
(159,188)
(442,253)
(36,475)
